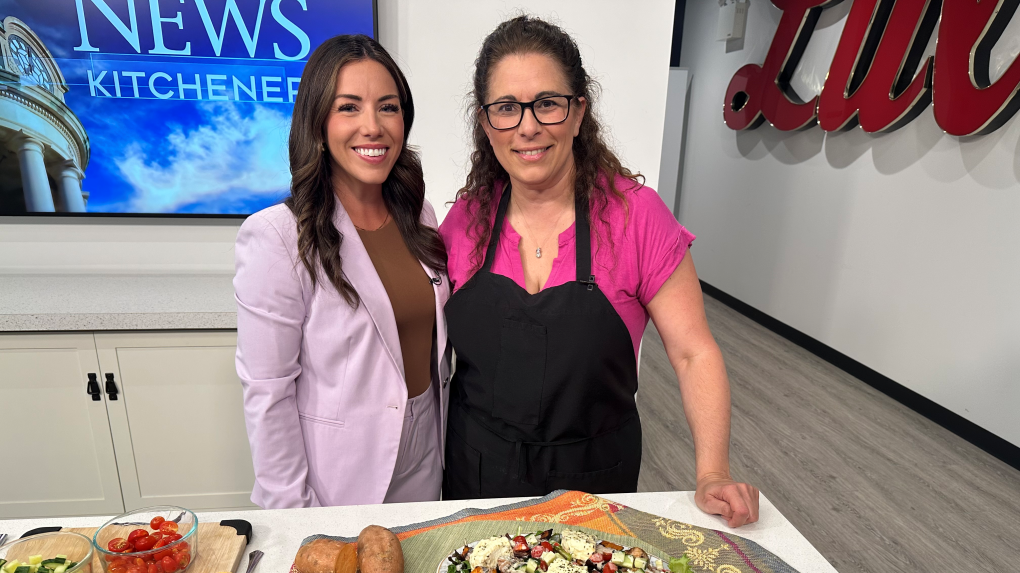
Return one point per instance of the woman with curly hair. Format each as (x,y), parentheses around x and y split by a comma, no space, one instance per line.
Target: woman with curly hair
(558,255)
(341,337)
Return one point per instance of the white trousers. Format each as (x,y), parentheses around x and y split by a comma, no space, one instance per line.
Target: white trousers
(418,474)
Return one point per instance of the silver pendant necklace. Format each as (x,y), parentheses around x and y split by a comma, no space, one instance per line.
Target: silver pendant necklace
(538,246)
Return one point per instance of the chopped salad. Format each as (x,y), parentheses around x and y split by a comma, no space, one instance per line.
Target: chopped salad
(568,551)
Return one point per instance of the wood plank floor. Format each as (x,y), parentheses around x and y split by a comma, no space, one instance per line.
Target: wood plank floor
(873,486)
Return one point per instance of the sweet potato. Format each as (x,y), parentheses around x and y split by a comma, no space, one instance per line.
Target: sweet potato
(379,551)
(319,556)
(347,560)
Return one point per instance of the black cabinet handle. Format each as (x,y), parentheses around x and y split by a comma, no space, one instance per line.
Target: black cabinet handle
(111,388)
(92,388)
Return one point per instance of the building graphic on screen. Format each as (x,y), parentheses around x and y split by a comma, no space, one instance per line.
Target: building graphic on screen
(43,146)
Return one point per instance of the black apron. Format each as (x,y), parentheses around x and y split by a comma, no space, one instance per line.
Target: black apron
(543,395)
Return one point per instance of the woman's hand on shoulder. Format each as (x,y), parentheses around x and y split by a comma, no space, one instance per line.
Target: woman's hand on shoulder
(719,494)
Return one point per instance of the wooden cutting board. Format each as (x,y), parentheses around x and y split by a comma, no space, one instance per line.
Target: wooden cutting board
(220,548)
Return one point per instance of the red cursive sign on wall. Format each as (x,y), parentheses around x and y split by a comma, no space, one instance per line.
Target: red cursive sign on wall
(871,80)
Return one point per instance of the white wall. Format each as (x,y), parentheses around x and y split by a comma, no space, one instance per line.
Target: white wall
(673,140)
(435,43)
(900,250)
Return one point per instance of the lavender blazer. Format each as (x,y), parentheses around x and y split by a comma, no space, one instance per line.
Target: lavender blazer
(324,389)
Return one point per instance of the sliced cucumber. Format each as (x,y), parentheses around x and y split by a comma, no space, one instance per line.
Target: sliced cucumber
(60,569)
(532,566)
(33,568)
(64,557)
(23,569)
(640,563)
(51,563)
(35,559)
(11,566)
(2,563)
(618,557)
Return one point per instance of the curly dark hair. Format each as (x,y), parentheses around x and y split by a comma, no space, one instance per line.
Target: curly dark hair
(596,166)
(312,198)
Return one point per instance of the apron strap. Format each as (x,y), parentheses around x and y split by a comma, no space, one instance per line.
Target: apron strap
(582,237)
(497,229)
(582,242)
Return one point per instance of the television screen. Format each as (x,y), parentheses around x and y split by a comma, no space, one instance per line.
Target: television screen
(174,107)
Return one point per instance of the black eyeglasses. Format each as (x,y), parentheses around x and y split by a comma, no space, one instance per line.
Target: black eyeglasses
(550,110)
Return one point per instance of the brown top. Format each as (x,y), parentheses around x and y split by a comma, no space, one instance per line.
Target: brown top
(413,299)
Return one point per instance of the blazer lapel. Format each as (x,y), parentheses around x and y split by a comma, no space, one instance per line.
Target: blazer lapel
(361,273)
(440,284)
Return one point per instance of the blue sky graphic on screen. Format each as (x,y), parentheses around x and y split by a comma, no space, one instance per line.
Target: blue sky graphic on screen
(185,105)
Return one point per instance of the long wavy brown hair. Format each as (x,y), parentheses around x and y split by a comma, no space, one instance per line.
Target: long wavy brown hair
(312,197)
(596,166)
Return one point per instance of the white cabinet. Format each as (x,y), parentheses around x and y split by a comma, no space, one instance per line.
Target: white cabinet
(179,423)
(173,433)
(58,456)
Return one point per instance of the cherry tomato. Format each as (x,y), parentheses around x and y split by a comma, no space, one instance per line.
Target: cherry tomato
(182,547)
(156,522)
(543,565)
(174,536)
(609,568)
(137,534)
(151,568)
(169,564)
(145,543)
(119,545)
(547,545)
(168,527)
(156,535)
(137,562)
(607,557)
(520,539)
(183,559)
(165,553)
(117,568)
(596,558)
(137,569)
(537,551)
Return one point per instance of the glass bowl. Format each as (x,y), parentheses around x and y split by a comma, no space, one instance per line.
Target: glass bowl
(172,556)
(74,546)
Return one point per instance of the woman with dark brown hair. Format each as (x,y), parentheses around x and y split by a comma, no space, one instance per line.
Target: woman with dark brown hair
(558,255)
(341,337)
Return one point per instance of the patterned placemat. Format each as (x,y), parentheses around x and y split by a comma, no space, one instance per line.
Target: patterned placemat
(426,544)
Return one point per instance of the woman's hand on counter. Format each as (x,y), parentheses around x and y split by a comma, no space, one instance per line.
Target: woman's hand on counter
(720,495)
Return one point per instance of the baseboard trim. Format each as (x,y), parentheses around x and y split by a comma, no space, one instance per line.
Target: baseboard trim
(980,437)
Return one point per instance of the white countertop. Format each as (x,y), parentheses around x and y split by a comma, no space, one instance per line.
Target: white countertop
(279,532)
(53,302)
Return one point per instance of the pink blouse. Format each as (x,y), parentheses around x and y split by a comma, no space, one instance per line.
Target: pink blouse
(641,248)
